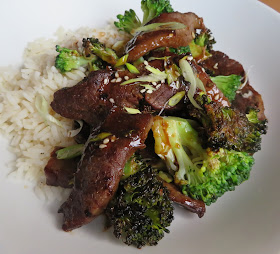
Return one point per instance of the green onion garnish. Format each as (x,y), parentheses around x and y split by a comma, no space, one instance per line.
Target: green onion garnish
(132,111)
(175,99)
(159,26)
(132,68)
(70,152)
(121,61)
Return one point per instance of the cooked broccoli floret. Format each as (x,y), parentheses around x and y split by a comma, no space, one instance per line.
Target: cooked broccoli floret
(205,39)
(153,8)
(128,21)
(133,165)
(141,211)
(201,173)
(228,85)
(202,44)
(94,46)
(180,50)
(225,127)
(69,59)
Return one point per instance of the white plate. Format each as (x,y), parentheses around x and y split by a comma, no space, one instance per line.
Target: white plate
(244,221)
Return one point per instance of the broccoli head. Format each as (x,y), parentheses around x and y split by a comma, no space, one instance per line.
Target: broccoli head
(180,50)
(128,21)
(205,39)
(69,59)
(202,44)
(226,127)
(228,85)
(141,210)
(153,8)
(94,46)
(201,173)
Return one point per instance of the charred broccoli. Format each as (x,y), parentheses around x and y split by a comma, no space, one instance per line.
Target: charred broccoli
(225,127)
(94,46)
(205,39)
(141,211)
(69,59)
(228,85)
(201,173)
(202,44)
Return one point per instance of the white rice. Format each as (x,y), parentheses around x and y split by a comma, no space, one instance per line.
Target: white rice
(31,138)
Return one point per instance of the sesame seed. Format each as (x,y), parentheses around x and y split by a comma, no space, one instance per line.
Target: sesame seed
(149,91)
(203,69)
(158,86)
(102,146)
(119,80)
(146,63)
(193,35)
(217,97)
(154,83)
(113,80)
(117,75)
(113,138)
(162,81)
(126,77)
(112,100)
(190,58)
(216,66)
(106,81)
(106,141)
(143,90)
(170,35)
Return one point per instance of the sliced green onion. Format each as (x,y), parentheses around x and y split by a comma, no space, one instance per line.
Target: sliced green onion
(154,70)
(172,73)
(149,87)
(132,111)
(199,84)
(73,133)
(100,136)
(132,68)
(165,176)
(189,76)
(121,61)
(175,99)
(139,61)
(149,78)
(158,26)
(43,109)
(70,152)
(158,58)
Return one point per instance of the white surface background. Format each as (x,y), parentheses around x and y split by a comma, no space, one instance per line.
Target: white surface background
(244,221)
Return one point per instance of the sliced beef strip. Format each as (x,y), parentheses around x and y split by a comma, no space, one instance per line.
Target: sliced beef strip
(100,169)
(93,98)
(247,97)
(145,42)
(195,206)
(60,172)
(220,64)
